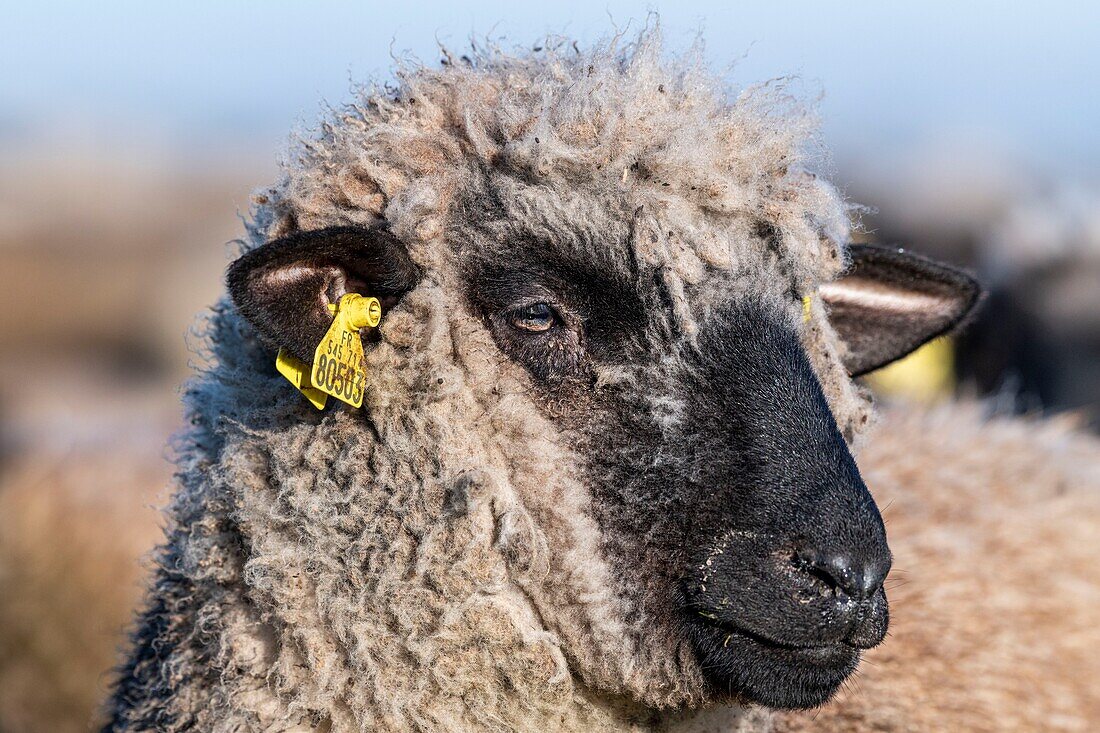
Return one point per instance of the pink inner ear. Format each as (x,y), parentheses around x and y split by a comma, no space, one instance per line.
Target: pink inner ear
(890,301)
(876,296)
(335,281)
(288,275)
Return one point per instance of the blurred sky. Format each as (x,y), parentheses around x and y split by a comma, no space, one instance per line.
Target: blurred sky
(206,75)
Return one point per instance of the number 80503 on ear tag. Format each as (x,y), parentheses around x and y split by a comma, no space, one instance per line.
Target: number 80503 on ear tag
(338,367)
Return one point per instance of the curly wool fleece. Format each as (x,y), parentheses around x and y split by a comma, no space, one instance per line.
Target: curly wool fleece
(432,562)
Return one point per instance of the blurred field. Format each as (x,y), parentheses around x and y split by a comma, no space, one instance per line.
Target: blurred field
(106,262)
(76,516)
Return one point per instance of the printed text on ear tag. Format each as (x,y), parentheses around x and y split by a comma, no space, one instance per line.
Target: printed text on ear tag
(338,367)
(807,303)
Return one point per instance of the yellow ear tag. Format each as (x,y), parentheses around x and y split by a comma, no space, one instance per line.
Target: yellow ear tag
(297,373)
(807,301)
(338,368)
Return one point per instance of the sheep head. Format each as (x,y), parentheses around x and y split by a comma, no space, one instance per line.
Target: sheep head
(620,312)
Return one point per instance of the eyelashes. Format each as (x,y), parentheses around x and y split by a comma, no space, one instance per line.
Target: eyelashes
(535,318)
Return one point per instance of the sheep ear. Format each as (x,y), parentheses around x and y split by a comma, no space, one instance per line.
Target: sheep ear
(283,288)
(889,302)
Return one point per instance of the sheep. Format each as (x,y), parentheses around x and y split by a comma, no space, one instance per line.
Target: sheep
(602,475)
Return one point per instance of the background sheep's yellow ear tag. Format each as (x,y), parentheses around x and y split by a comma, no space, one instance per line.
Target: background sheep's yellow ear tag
(807,303)
(338,367)
(297,373)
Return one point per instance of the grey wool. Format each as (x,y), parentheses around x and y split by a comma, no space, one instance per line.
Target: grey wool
(432,562)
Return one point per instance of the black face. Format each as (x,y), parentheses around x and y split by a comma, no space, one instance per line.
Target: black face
(728,501)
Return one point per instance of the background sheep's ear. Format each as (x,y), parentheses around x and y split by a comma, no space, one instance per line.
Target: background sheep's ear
(284,287)
(889,302)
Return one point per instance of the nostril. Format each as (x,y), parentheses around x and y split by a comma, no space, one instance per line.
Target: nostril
(842,573)
(812,566)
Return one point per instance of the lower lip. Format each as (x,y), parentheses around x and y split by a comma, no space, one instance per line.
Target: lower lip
(810,650)
(837,653)
(770,673)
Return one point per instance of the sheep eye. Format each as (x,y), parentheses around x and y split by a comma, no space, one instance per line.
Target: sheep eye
(535,318)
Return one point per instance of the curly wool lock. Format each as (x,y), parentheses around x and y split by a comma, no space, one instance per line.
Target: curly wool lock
(440,568)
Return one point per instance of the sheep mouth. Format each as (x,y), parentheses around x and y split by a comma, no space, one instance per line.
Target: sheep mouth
(738,663)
